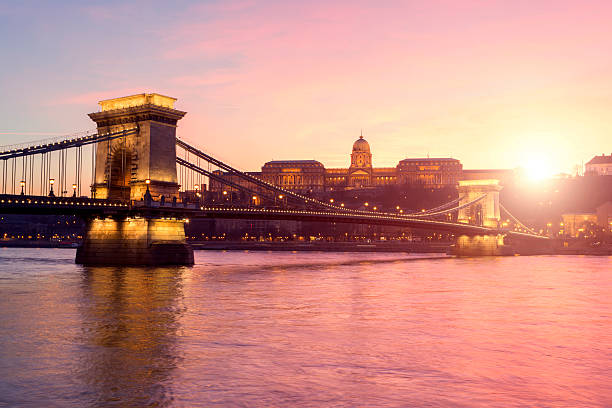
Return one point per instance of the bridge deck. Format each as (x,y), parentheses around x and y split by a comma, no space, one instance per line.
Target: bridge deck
(88,207)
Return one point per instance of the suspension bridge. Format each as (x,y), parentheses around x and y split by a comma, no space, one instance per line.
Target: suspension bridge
(136,184)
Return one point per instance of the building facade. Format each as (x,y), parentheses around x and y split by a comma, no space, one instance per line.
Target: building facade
(311,176)
(599,166)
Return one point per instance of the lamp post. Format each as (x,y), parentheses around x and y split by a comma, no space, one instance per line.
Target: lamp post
(147,195)
(254,200)
(74,189)
(51,193)
(22,184)
(196,187)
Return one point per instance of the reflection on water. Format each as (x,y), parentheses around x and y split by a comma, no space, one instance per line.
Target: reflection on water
(306,329)
(130,319)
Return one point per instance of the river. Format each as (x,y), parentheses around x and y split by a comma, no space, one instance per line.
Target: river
(260,329)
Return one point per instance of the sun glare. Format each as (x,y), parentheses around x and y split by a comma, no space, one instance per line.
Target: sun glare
(537,167)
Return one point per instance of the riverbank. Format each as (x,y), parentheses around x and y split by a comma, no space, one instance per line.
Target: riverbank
(37,244)
(379,246)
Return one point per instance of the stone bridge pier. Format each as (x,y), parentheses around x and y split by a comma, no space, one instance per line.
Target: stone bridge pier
(135,167)
(485,213)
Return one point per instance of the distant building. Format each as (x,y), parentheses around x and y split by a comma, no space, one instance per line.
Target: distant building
(302,175)
(578,223)
(581,223)
(604,216)
(599,166)
(310,176)
(431,173)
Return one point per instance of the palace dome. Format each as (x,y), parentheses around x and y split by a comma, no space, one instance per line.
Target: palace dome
(361,145)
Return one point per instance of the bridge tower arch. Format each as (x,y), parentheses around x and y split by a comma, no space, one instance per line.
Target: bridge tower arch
(119,172)
(486,211)
(484,194)
(148,154)
(122,168)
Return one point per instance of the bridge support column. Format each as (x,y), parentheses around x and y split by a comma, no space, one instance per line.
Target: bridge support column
(481,245)
(135,241)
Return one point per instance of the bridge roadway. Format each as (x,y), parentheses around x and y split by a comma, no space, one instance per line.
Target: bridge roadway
(90,208)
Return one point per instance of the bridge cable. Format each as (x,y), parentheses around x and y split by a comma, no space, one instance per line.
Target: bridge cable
(455,208)
(517,221)
(254,180)
(216,177)
(234,172)
(14,171)
(93,170)
(440,207)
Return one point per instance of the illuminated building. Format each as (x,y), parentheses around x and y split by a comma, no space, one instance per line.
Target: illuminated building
(431,173)
(599,166)
(311,176)
(302,175)
(604,216)
(578,223)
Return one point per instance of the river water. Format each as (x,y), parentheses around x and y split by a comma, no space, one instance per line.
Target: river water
(260,329)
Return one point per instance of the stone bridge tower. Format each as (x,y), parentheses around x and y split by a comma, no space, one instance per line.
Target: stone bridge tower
(486,211)
(122,168)
(123,165)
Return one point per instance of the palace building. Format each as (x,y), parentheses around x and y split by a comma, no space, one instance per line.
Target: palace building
(311,176)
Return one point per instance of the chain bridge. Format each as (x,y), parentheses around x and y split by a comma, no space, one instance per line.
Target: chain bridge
(136,184)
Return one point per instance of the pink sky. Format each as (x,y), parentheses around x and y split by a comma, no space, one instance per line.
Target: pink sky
(492,83)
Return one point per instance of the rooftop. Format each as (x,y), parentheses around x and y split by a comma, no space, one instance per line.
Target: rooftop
(430,159)
(603,159)
(294,163)
(137,100)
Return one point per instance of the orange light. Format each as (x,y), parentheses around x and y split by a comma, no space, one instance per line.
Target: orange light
(148,181)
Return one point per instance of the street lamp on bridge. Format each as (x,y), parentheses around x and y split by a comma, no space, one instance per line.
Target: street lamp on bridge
(74,189)
(147,195)
(51,193)
(22,184)
(196,187)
